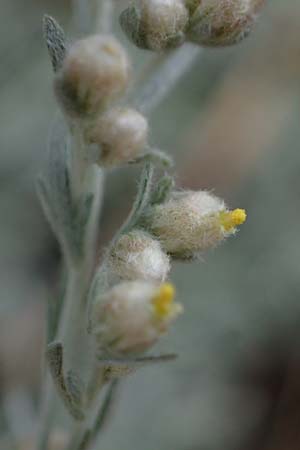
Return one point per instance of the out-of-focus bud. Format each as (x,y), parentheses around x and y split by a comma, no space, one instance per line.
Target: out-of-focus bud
(191,222)
(155,24)
(120,135)
(221,22)
(131,316)
(137,256)
(94,71)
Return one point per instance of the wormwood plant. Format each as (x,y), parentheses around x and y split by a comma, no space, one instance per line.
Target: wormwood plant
(114,310)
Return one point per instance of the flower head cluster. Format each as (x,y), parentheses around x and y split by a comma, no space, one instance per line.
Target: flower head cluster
(95,71)
(162,24)
(132,315)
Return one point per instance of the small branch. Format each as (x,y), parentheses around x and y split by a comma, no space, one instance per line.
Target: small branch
(106,408)
(102,417)
(164,79)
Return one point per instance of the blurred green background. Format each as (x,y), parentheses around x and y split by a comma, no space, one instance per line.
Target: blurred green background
(232,125)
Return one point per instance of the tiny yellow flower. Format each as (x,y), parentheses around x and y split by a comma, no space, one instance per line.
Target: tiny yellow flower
(163,300)
(231,219)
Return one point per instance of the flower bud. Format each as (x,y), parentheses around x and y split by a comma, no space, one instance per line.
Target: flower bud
(94,71)
(155,24)
(191,222)
(137,256)
(131,316)
(221,22)
(120,135)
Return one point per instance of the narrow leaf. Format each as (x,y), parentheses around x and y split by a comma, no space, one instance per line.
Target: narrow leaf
(56,42)
(55,361)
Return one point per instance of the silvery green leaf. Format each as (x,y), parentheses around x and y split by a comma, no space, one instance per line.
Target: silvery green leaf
(75,387)
(55,191)
(70,396)
(141,201)
(163,189)
(56,42)
(157,157)
(67,217)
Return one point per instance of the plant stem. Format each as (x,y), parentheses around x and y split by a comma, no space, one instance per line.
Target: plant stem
(92,16)
(163,80)
(104,15)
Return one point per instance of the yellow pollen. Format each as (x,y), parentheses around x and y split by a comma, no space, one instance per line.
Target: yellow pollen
(231,219)
(163,301)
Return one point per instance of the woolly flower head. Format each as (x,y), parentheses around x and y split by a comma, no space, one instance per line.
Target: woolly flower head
(120,135)
(191,222)
(221,22)
(155,24)
(131,316)
(95,70)
(136,255)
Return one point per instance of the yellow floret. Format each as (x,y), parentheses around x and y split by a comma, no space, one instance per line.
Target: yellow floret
(163,301)
(231,219)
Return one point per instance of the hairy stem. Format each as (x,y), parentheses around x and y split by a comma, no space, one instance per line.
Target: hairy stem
(166,75)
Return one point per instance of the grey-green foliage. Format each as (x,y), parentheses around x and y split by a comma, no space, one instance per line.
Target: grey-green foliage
(55,40)
(67,217)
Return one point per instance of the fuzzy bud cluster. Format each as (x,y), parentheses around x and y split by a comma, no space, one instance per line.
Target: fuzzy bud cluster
(95,70)
(191,222)
(161,24)
(138,256)
(155,24)
(132,316)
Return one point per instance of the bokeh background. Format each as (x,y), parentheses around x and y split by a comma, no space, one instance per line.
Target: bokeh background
(232,125)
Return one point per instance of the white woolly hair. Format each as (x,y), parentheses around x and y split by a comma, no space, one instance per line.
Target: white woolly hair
(95,70)
(161,21)
(137,255)
(120,134)
(187,224)
(122,320)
